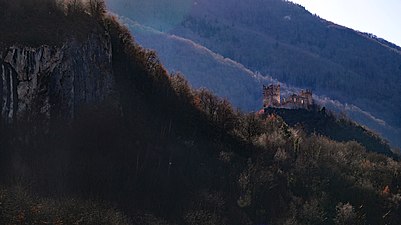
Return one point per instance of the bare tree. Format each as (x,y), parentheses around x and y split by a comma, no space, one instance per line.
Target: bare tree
(74,7)
(97,8)
(208,103)
(251,126)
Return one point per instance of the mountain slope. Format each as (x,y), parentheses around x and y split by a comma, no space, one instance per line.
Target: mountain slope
(162,153)
(285,41)
(201,67)
(230,79)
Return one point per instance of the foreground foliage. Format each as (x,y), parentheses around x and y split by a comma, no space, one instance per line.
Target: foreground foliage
(19,207)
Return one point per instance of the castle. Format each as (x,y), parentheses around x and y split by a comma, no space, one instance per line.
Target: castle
(272,98)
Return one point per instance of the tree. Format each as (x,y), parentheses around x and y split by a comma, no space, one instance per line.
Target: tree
(250,126)
(74,7)
(97,8)
(346,215)
(181,86)
(226,117)
(208,103)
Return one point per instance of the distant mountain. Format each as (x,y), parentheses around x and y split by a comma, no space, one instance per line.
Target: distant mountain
(282,40)
(201,66)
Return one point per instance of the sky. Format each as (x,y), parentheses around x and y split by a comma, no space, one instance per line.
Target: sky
(379,17)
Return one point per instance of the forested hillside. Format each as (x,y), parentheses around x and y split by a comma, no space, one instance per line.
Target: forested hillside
(156,151)
(202,67)
(283,40)
(322,122)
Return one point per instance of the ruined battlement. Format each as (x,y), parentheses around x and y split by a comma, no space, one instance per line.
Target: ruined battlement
(272,98)
(271,95)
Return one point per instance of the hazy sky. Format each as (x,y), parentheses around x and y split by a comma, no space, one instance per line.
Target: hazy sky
(379,17)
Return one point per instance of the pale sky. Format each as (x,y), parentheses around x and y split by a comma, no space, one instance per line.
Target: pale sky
(379,17)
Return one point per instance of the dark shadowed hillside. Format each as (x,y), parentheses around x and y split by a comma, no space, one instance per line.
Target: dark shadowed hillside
(325,123)
(94,130)
(283,40)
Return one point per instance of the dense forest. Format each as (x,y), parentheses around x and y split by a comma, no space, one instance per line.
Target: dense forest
(282,40)
(160,152)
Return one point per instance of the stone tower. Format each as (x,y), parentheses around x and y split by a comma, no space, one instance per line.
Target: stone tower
(271,95)
(307,94)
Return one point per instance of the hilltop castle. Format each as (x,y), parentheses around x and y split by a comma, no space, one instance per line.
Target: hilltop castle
(272,98)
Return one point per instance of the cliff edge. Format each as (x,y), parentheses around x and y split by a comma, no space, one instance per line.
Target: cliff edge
(54,81)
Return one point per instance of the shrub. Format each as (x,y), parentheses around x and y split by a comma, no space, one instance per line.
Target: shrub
(346,215)
(17,206)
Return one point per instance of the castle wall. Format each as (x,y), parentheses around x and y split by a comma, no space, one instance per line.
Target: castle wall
(272,98)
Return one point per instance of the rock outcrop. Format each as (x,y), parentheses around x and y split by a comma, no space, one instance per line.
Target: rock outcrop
(54,82)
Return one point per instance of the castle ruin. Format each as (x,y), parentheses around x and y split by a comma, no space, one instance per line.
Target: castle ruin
(272,98)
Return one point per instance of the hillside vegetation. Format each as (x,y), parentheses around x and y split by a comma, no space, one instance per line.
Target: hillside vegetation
(47,22)
(326,123)
(281,39)
(163,153)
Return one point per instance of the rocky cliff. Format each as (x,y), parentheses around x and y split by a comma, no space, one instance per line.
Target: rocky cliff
(55,81)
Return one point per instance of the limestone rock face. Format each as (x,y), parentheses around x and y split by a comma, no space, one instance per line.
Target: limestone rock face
(54,82)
